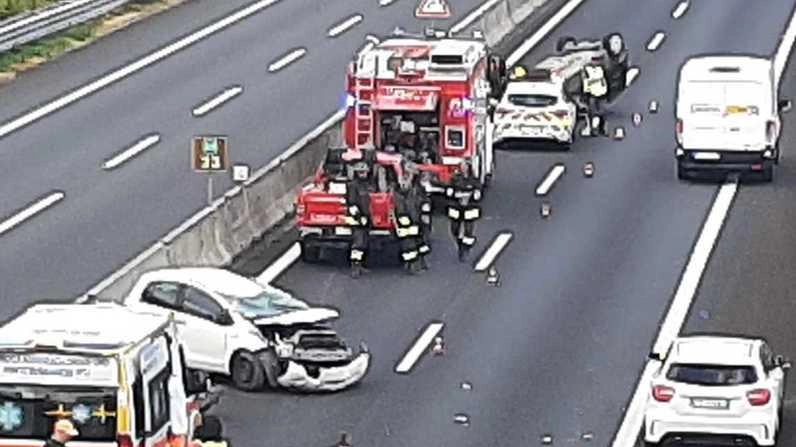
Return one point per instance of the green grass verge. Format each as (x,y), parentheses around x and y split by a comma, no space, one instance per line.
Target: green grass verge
(9,8)
(51,47)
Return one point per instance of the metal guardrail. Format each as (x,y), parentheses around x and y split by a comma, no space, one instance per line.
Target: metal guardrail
(34,25)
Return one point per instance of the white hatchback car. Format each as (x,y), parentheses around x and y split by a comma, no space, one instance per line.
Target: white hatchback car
(255,333)
(716,388)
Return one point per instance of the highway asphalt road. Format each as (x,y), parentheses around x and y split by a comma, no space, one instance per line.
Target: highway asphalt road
(558,348)
(108,217)
(748,287)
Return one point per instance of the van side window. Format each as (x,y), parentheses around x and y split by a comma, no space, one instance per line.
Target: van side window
(138,406)
(163,294)
(159,400)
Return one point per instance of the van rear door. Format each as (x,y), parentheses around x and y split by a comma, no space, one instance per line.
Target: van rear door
(724,116)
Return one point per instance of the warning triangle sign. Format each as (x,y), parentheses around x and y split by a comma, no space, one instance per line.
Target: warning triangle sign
(433,9)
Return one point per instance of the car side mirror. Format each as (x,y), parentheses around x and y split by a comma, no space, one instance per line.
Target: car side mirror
(781,362)
(784,105)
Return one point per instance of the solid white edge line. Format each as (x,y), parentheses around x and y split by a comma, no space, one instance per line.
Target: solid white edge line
(419,346)
(345,25)
(282,263)
(550,179)
(501,241)
(219,99)
(473,16)
(682,7)
(129,69)
(678,309)
(784,48)
(34,209)
(632,74)
(656,41)
(287,59)
(144,144)
(542,32)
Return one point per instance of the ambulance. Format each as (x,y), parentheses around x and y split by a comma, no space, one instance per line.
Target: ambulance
(728,116)
(114,372)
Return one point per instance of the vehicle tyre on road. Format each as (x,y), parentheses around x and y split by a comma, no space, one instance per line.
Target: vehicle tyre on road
(247,371)
(310,252)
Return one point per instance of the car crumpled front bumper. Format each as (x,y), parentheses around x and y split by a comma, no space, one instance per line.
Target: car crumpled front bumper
(334,378)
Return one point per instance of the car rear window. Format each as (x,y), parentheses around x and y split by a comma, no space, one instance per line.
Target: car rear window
(715,375)
(533,100)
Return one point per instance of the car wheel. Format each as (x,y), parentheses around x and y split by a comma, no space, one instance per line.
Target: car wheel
(310,253)
(247,371)
(682,173)
(563,41)
(768,174)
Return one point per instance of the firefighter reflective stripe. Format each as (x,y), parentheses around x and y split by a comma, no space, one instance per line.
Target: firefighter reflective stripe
(351,221)
(213,444)
(453,213)
(404,221)
(356,221)
(423,249)
(594,82)
(426,219)
(426,207)
(449,192)
(356,254)
(477,195)
(353,210)
(413,230)
(468,240)
(409,255)
(463,194)
(472,214)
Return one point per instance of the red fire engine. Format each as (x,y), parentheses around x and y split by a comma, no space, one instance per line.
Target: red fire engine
(427,97)
(419,101)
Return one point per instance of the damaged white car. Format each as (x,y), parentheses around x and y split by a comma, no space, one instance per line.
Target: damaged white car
(256,334)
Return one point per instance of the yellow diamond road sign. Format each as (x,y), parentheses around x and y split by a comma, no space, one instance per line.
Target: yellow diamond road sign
(433,9)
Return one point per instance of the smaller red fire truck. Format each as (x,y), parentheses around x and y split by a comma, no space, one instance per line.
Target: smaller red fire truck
(426,97)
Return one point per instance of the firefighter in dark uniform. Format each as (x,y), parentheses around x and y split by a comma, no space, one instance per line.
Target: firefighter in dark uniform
(407,225)
(358,203)
(420,196)
(464,195)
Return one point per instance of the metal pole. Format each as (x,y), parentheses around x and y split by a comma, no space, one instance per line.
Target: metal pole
(209,189)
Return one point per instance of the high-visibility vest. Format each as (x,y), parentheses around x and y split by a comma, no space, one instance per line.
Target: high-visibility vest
(594,82)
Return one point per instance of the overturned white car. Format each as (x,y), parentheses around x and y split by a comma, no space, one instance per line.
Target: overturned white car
(257,334)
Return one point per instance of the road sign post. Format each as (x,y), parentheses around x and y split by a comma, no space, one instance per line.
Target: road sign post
(210,154)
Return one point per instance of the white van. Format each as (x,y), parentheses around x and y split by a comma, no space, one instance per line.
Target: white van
(115,372)
(727,116)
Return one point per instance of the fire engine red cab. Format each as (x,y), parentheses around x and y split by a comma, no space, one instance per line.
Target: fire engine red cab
(427,97)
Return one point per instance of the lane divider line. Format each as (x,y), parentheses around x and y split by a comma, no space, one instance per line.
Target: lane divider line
(140,64)
(632,74)
(678,309)
(31,210)
(473,16)
(550,179)
(225,96)
(495,249)
(345,25)
(419,347)
(132,151)
(281,264)
(287,59)
(656,41)
(385,2)
(681,8)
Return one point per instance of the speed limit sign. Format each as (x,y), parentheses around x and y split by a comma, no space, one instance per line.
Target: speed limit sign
(210,154)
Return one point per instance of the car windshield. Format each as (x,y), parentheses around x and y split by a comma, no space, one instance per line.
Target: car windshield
(29,412)
(532,100)
(712,375)
(268,303)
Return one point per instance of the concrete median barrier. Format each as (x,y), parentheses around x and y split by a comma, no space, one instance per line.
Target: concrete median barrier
(218,233)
